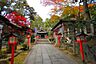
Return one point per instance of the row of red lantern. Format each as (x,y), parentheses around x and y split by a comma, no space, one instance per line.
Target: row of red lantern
(16,18)
(12,42)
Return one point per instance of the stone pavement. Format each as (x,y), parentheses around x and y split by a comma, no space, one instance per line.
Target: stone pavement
(47,54)
(43,41)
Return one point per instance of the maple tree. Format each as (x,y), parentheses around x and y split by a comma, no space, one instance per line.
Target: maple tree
(92,10)
(54,18)
(55,2)
(66,7)
(60,6)
(16,18)
(37,22)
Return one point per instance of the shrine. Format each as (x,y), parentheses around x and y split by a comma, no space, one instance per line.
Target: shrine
(42,33)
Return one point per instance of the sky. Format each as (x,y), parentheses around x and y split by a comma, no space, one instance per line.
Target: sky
(41,10)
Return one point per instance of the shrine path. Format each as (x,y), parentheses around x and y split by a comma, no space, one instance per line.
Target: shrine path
(47,54)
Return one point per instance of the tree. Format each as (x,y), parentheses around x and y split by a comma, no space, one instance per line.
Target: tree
(86,9)
(16,18)
(54,18)
(37,22)
(92,8)
(58,4)
(54,2)
(61,5)
(47,24)
(10,10)
(23,9)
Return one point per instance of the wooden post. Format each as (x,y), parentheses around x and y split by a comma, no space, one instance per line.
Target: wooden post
(82,51)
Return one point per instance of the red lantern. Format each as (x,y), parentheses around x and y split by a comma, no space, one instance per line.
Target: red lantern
(46,36)
(37,37)
(12,40)
(12,43)
(59,37)
(28,37)
(80,39)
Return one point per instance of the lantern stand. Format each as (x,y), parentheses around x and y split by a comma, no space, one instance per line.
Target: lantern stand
(12,42)
(28,36)
(59,38)
(80,38)
(29,39)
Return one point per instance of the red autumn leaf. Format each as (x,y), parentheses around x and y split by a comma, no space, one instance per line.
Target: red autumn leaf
(16,18)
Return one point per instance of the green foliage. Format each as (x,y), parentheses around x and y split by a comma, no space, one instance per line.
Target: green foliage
(80,24)
(4,1)
(93,12)
(25,47)
(32,38)
(48,24)
(37,22)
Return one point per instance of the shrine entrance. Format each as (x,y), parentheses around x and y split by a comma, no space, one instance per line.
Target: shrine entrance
(42,34)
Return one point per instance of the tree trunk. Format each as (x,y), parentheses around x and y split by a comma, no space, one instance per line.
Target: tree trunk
(87,14)
(0,43)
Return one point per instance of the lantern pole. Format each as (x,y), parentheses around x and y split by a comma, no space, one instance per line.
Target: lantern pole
(28,37)
(82,51)
(80,40)
(12,56)
(59,37)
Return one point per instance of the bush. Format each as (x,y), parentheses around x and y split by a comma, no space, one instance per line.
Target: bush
(3,59)
(25,47)
(4,62)
(3,56)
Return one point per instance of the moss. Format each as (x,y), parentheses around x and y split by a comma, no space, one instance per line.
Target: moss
(20,58)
